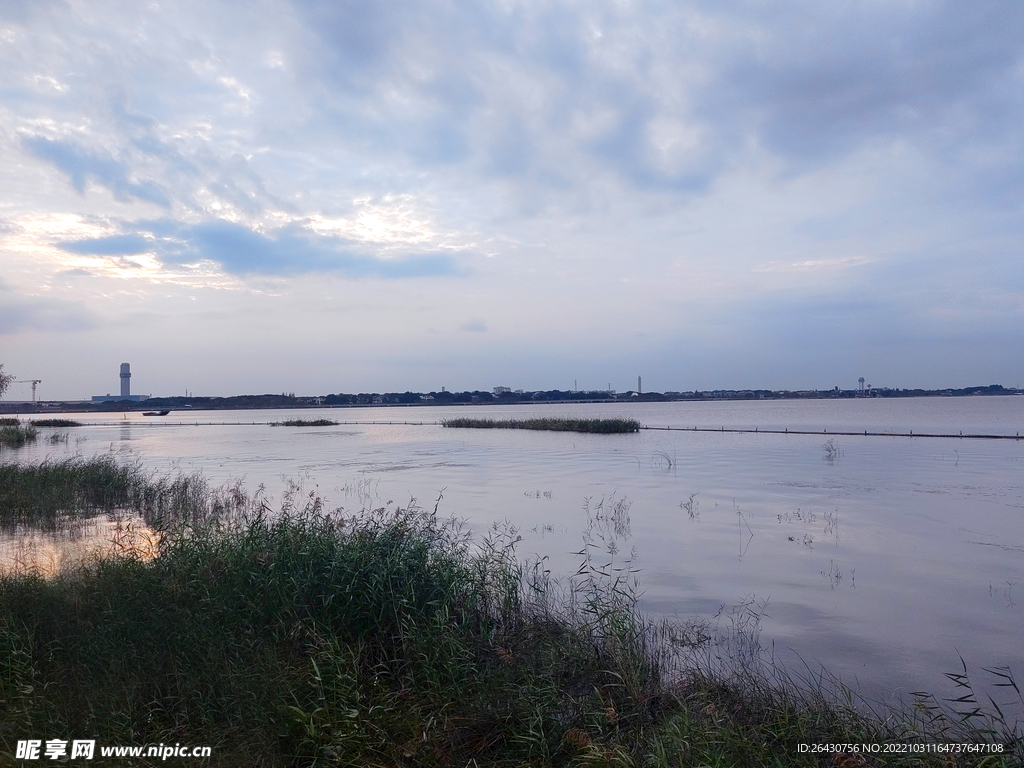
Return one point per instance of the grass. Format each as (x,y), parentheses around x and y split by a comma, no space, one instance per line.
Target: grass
(14,434)
(304,423)
(55,495)
(308,637)
(602,426)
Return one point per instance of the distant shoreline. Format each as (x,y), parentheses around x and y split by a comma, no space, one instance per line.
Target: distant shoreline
(413,399)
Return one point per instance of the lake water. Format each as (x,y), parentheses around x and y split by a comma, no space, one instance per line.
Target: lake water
(884,559)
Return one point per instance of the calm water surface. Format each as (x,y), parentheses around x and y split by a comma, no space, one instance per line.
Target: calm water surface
(881,560)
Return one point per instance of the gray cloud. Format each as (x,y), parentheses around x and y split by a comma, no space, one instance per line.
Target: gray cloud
(20,313)
(82,166)
(23,10)
(114,245)
(808,84)
(241,250)
(815,85)
(668,97)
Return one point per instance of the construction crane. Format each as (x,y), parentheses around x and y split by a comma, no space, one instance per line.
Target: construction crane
(33,382)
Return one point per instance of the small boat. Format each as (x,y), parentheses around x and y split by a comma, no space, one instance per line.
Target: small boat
(155,413)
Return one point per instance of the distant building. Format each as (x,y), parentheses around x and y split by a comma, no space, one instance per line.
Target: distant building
(501,390)
(126,390)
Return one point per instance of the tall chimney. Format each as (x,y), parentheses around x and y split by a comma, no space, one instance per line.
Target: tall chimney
(126,380)
(639,387)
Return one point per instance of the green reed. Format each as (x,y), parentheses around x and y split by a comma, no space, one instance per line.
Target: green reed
(57,494)
(15,435)
(601,426)
(304,423)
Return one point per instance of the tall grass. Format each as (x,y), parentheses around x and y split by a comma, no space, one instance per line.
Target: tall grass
(54,494)
(306,637)
(603,426)
(13,434)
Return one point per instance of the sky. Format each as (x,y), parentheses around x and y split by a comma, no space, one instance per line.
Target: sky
(319,197)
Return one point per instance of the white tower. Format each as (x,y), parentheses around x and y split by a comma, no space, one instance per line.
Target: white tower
(126,380)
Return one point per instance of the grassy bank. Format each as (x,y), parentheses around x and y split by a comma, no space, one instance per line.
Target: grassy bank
(55,423)
(298,637)
(601,426)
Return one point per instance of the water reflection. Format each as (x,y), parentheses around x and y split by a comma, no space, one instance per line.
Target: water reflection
(76,544)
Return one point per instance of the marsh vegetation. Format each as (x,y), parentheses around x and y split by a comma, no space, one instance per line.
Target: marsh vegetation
(14,434)
(304,423)
(56,495)
(601,426)
(300,635)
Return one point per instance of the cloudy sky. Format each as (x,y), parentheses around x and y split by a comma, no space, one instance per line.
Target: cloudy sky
(321,197)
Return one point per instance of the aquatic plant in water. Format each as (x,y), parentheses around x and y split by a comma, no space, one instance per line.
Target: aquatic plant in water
(601,426)
(304,423)
(14,434)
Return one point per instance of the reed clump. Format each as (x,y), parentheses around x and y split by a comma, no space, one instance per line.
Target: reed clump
(304,423)
(305,637)
(58,494)
(14,434)
(600,426)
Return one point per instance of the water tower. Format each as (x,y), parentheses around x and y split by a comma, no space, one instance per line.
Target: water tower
(126,380)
